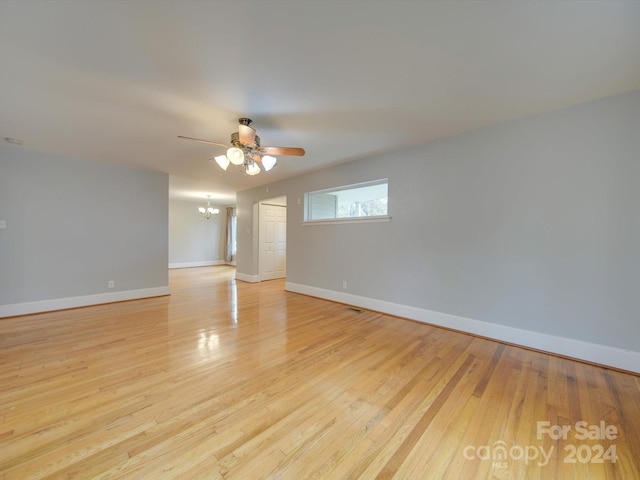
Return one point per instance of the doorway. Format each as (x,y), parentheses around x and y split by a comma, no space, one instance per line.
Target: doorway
(272,243)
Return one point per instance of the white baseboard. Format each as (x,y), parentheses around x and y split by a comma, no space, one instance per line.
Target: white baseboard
(196,264)
(247,278)
(82,301)
(591,352)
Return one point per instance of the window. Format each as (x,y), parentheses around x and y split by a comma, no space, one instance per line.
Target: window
(234,231)
(364,201)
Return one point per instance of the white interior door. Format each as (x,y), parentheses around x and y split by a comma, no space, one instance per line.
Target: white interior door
(273,241)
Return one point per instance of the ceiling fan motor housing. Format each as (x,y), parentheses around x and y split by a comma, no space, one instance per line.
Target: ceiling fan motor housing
(235,141)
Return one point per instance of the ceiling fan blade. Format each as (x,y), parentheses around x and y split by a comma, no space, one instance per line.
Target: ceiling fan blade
(203,141)
(247,135)
(291,151)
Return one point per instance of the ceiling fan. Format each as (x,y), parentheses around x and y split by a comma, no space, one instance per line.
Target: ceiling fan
(245,149)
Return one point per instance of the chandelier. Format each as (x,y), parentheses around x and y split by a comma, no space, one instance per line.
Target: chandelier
(208,211)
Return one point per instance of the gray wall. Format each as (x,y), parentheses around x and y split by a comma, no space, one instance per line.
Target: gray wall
(193,238)
(73,225)
(532,224)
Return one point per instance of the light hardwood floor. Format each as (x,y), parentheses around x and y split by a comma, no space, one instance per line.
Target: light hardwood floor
(248,382)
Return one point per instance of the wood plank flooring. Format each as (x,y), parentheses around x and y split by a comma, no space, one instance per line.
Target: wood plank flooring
(246,381)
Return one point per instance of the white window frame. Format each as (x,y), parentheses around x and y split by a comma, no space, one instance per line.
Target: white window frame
(341,220)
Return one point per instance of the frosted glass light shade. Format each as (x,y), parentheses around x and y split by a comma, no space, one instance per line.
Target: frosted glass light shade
(268,162)
(235,156)
(202,210)
(253,169)
(222,161)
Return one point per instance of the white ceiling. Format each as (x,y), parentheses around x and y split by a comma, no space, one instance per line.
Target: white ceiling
(116,81)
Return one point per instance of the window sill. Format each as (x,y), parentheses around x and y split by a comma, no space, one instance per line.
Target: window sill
(339,221)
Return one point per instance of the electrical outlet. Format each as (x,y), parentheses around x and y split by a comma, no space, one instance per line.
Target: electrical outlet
(344,284)
(111,284)
(3,224)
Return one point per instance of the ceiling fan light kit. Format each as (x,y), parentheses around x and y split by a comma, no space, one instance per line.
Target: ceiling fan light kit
(245,150)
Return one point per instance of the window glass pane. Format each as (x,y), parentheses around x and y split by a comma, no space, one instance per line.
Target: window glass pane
(323,206)
(354,201)
(233,234)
